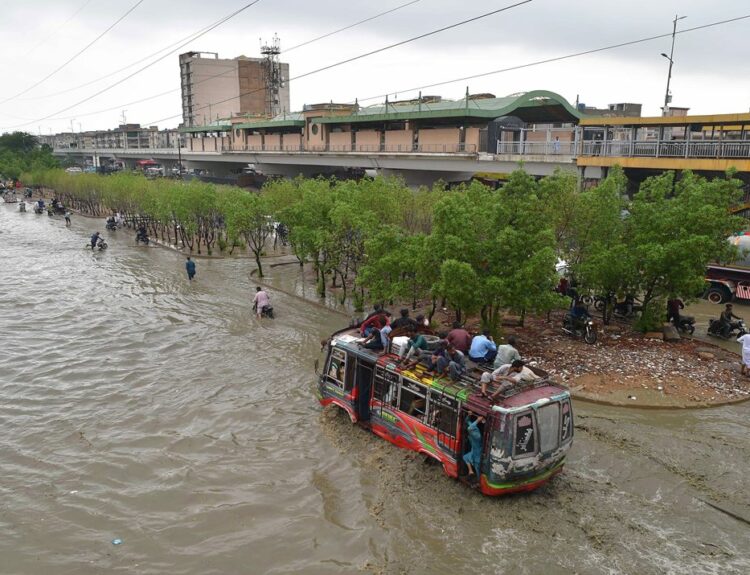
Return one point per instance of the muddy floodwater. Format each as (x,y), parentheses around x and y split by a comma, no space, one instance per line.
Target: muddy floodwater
(142,409)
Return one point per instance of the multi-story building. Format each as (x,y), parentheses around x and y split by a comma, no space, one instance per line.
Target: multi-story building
(214,87)
(125,136)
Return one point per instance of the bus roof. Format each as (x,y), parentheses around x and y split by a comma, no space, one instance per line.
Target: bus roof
(466,389)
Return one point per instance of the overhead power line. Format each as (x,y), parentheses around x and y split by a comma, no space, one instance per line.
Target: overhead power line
(189,37)
(556,59)
(139,70)
(167,92)
(350,26)
(359,57)
(47,37)
(81,51)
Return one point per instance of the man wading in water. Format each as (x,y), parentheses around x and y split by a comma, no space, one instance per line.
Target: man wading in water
(190,268)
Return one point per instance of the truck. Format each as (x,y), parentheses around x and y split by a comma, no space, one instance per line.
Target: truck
(725,282)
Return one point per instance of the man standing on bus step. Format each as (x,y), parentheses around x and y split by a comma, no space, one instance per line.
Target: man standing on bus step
(190,268)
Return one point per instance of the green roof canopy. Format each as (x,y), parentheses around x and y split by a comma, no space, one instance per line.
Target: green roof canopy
(538,106)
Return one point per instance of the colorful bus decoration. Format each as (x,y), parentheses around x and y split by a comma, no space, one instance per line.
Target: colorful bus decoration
(526,434)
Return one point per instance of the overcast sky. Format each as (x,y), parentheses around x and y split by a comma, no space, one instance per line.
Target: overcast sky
(711,72)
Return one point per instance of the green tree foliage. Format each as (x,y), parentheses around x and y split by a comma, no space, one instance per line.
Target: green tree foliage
(20,152)
(658,244)
(476,249)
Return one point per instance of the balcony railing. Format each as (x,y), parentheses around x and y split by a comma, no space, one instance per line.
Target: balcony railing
(535,148)
(668,149)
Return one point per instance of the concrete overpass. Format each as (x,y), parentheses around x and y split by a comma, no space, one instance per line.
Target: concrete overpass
(415,167)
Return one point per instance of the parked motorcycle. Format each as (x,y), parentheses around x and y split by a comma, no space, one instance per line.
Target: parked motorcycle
(586,330)
(715,328)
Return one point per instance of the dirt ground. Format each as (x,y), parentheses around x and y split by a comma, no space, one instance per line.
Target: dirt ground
(626,367)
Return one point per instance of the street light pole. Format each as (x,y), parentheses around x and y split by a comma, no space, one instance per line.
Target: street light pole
(667,97)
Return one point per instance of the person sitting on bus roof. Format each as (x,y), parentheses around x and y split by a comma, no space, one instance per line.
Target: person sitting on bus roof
(433,357)
(473,457)
(453,362)
(483,349)
(385,331)
(459,338)
(507,353)
(376,310)
(373,322)
(404,320)
(373,341)
(486,379)
(515,372)
(417,343)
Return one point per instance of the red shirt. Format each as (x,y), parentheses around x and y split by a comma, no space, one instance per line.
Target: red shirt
(460,339)
(376,321)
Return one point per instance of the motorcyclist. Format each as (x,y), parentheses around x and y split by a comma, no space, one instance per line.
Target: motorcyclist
(727,325)
(674,306)
(142,234)
(578,315)
(111,223)
(260,301)
(95,237)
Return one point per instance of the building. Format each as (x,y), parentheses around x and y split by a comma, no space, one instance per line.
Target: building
(214,87)
(124,137)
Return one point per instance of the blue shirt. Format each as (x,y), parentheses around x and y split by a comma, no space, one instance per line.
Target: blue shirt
(384,333)
(190,266)
(480,345)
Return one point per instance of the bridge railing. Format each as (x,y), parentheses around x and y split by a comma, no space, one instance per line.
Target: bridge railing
(666,149)
(535,148)
(366,148)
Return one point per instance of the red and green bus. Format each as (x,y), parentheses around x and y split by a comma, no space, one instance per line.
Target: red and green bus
(526,434)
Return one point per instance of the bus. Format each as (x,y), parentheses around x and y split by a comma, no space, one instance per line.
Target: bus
(526,434)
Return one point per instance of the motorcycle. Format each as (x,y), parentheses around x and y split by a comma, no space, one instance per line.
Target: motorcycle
(142,238)
(38,209)
(266,311)
(716,329)
(686,324)
(587,331)
(111,226)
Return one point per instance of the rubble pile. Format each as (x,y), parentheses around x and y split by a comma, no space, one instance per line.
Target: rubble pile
(622,359)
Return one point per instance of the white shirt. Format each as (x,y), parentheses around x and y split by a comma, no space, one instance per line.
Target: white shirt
(524,375)
(261,299)
(745,341)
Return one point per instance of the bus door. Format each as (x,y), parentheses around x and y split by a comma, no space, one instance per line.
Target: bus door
(364,389)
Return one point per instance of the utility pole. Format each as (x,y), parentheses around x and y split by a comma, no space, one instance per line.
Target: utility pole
(667,95)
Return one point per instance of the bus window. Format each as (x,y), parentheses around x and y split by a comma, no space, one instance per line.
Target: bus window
(567,422)
(337,367)
(442,413)
(549,427)
(524,437)
(413,399)
(386,386)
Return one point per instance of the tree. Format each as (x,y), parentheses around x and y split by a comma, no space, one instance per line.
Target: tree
(675,229)
(246,215)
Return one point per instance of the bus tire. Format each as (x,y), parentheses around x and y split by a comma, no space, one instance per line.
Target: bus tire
(717,295)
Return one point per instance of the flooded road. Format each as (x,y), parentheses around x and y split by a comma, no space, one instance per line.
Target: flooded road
(140,407)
